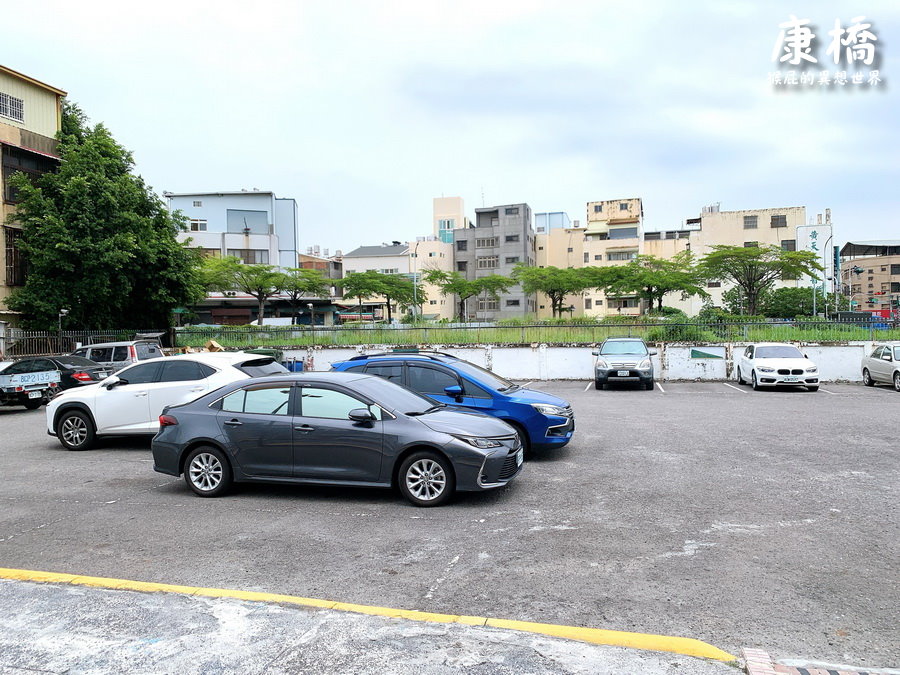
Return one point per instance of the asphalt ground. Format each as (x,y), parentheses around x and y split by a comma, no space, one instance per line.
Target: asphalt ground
(702,510)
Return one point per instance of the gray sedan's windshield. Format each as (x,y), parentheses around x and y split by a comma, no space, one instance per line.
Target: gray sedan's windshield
(780,352)
(623,347)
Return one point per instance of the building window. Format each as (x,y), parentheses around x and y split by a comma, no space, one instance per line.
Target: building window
(510,238)
(242,221)
(250,256)
(598,208)
(15,261)
(788,244)
(587,256)
(198,225)
(599,256)
(487,262)
(621,255)
(542,307)
(623,232)
(210,252)
(447,224)
(488,304)
(29,163)
(488,242)
(391,270)
(514,211)
(198,203)
(432,302)
(751,244)
(462,266)
(623,206)
(12,107)
(895,287)
(895,269)
(779,221)
(510,260)
(569,250)
(540,248)
(587,303)
(513,303)
(751,222)
(714,284)
(652,236)
(462,245)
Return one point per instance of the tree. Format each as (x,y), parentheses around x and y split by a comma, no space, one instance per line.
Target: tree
(493,285)
(789,303)
(400,289)
(362,285)
(97,240)
(756,269)
(453,283)
(652,278)
(554,282)
(301,283)
(230,274)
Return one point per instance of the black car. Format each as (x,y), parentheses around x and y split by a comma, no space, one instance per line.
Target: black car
(343,429)
(74,371)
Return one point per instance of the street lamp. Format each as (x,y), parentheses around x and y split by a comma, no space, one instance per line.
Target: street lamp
(415,257)
(312,316)
(59,318)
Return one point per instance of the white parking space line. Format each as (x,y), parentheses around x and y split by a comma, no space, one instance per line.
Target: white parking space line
(735,388)
(527,383)
(660,387)
(828,392)
(588,386)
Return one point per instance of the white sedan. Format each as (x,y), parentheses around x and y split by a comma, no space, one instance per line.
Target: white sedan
(131,401)
(772,364)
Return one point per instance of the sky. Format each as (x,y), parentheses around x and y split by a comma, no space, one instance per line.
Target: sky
(365,111)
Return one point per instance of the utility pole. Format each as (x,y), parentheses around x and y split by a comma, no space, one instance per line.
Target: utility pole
(415,257)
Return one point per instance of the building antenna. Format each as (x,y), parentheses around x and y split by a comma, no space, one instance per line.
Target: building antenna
(482,196)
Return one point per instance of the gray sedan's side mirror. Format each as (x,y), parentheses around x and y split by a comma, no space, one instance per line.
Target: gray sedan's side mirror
(595,352)
(653,352)
(361,415)
(887,357)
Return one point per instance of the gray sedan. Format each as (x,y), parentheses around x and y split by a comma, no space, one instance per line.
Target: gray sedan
(334,429)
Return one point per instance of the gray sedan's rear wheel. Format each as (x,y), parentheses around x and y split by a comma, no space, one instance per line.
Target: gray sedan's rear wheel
(897,381)
(207,472)
(867,378)
(75,430)
(426,479)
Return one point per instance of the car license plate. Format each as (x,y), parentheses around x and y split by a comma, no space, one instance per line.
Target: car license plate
(34,394)
(520,457)
(792,379)
(622,373)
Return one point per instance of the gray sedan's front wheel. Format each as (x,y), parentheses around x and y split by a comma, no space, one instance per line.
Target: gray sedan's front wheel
(207,472)
(426,479)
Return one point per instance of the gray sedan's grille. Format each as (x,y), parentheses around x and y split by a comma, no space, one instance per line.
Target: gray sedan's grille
(510,466)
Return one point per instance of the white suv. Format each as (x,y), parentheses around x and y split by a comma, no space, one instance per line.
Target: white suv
(130,402)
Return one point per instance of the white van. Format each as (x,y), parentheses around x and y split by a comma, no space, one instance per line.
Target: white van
(117,355)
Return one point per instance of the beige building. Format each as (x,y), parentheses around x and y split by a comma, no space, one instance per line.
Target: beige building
(614,235)
(448,214)
(30,117)
(870,275)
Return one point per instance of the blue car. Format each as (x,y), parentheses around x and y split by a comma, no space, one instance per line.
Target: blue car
(544,421)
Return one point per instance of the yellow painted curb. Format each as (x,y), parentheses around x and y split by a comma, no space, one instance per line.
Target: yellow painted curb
(597,636)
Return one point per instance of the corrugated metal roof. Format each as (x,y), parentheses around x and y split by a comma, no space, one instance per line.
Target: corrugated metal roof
(370,251)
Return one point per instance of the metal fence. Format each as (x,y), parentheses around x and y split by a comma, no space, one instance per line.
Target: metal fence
(15,342)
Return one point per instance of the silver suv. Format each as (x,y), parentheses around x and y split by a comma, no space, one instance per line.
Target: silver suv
(623,360)
(117,355)
(882,365)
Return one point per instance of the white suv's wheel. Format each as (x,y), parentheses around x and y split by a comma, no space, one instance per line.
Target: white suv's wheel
(75,430)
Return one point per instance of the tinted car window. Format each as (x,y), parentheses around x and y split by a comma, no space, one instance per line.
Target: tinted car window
(75,362)
(876,353)
(180,371)
(484,376)
(430,380)
(41,365)
(354,369)
(141,374)
(261,367)
(389,371)
(26,366)
(147,350)
(205,370)
(268,401)
(120,353)
(102,354)
(471,389)
(330,404)
(80,352)
(896,353)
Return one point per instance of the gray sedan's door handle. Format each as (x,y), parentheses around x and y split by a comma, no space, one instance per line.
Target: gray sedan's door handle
(233,423)
(304,427)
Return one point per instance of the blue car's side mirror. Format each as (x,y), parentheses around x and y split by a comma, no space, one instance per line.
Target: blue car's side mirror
(454,390)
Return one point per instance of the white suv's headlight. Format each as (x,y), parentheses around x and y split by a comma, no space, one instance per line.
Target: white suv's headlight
(547,409)
(764,369)
(478,442)
(812,369)
(645,365)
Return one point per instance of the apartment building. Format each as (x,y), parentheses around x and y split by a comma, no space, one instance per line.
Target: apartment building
(448,214)
(331,267)
(253,225)
(870,275)
(545,222)
(30,117)
(502,237)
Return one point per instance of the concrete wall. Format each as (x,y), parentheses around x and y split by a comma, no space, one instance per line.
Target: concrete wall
(674,362)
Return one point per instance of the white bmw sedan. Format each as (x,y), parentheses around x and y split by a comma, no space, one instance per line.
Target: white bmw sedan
(130,402)
(772,364)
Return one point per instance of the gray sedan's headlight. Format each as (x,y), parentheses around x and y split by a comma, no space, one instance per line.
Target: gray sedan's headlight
(478,442)
(645,365)
(547,409)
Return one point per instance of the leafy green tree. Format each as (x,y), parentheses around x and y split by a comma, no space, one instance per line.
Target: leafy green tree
(756,269)
(98,241)
(400,289)
(454,283)
(299,283)
(651,278)
(493,285)
(362,285)
(789,303)
(258,281)
(554,282)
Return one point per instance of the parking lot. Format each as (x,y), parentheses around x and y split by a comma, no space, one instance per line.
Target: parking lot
(704,510)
